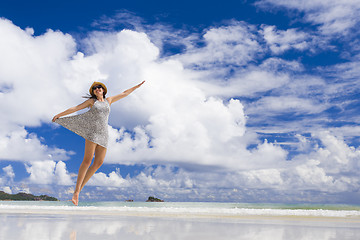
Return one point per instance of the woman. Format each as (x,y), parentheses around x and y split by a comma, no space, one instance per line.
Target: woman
(93,126)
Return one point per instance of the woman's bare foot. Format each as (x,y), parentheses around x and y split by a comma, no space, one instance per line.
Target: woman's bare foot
(73,235)
(75,198)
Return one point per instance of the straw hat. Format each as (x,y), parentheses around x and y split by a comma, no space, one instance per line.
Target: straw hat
(96,84)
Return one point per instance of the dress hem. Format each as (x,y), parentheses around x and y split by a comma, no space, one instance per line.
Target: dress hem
(79,134)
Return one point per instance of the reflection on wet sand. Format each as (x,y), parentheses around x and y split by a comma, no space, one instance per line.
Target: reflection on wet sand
(77,227)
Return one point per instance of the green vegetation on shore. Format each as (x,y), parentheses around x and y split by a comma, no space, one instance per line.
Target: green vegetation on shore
(24,197)
(154,199)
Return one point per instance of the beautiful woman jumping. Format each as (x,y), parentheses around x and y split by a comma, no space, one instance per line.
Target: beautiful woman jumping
(93,126)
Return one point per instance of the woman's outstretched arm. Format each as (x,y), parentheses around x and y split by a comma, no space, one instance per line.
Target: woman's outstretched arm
(123,94)
(87,103)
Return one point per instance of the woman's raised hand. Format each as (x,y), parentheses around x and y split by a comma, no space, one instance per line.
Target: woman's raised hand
(55,117)
(140,84)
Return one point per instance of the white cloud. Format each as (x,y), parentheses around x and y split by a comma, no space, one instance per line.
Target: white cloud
(312,176)
(48,172)
(7,189)
(19,145)
(346,131)
(9,171)
(158,178)
(280,41)
(197,133)
(234,44)
(32,69)
(23,189)
(290,104)
(267,178)
(334,17)
(62,176)
(332,166)
(249,83)
(41,172)
(348,74)
(30,75)
(337,157)
(329,168)
(114,179)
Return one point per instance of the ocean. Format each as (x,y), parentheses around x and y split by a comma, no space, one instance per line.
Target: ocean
(210,209)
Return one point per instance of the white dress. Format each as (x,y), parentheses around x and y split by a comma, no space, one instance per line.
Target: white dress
(91,125)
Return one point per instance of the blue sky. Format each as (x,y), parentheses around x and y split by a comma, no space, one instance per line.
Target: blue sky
(245,101)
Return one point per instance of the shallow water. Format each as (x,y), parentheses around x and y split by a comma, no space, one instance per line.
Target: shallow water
(131,221)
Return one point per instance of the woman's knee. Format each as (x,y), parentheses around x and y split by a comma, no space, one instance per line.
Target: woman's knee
(87,161)
(98,162)
(100,153)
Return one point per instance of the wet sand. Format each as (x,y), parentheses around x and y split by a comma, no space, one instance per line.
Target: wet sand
(90,225)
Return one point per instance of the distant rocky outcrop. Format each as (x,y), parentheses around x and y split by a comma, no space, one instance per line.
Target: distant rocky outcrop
(153,199)
(24,197)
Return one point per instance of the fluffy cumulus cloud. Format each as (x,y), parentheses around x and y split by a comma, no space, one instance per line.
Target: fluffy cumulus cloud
(28,66)
(7,178)
(328,169)
(48,172)
(9,172)
(20,145)
(31,70)
(190,134)
(7,190)
(332,167)
(195,125)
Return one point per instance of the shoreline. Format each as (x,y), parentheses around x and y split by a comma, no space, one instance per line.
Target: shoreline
(78,211)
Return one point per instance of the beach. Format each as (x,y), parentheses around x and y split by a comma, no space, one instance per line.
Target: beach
(161,221)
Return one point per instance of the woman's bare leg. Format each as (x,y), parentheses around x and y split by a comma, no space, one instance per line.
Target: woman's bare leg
(88,156)
(100,153)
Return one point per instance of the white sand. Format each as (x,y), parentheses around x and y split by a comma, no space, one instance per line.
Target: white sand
(89,225)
